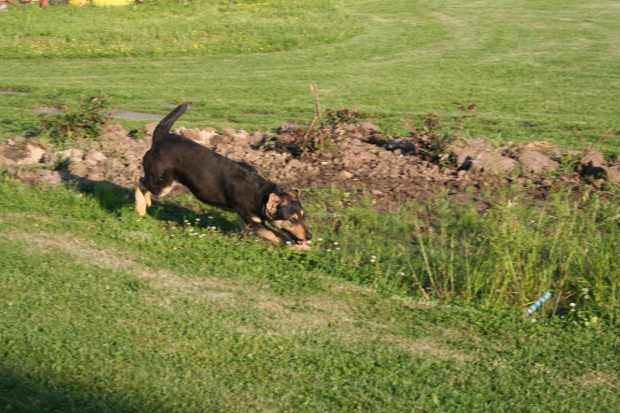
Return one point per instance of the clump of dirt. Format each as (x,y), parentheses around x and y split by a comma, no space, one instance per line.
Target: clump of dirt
(357,158)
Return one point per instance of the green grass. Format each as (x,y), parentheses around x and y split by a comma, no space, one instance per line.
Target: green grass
(201,28)
(421,308)
(102,311)
(536,70)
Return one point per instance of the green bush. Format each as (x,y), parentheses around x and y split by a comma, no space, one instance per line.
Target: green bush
(84,121)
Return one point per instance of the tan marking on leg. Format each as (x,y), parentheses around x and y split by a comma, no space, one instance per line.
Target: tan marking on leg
(140,199)
(147,197)
(269,234)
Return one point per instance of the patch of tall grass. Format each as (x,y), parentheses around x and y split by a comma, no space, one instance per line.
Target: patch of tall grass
(507,255)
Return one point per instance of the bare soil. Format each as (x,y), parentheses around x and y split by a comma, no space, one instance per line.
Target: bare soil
(389,170)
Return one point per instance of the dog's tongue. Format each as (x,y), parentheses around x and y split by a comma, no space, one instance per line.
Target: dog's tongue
(302,242)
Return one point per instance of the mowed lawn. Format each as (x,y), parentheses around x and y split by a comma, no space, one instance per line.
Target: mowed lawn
(104,312)
(536,71)
(422,309)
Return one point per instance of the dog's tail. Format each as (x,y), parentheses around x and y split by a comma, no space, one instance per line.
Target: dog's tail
(166,124)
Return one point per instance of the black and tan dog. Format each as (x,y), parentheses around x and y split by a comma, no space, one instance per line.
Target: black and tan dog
(221,182)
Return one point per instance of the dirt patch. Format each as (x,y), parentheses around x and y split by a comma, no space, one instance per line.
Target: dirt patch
(356,158)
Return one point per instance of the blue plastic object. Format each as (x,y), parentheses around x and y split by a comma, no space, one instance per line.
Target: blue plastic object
(538,303)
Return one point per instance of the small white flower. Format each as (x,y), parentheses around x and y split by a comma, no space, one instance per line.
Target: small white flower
(320,239)
(572,304)
(335,243)
(337,249)
(328,250)
(402,274)
(534,320)
(374,257)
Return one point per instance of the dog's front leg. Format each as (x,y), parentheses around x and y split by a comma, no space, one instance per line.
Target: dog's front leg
(256,226)
(276,237)
(268,234)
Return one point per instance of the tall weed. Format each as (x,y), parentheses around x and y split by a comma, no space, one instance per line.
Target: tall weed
(515,252)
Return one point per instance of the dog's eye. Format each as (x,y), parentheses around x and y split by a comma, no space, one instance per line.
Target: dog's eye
(292,220)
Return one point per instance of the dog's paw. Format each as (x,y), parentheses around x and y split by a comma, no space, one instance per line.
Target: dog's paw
(300,247)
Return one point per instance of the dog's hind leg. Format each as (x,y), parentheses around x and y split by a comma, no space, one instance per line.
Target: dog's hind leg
(142,199)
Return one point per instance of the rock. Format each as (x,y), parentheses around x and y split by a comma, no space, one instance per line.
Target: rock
(466,153)
(492,163)
(19,151)
(241,137)
(230,132)
(94,157)
(257,138)
(534,163)
(346,174)
(363,130)
(593,165)
(205,137)
(71,155)
(402,144)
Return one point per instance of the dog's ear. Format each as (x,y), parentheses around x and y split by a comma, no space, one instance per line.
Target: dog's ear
(273,203)
(294,193)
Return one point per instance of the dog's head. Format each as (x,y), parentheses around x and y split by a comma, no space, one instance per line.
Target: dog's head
(284,211)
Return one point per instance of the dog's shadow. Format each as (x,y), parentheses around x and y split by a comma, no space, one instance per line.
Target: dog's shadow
(115,198)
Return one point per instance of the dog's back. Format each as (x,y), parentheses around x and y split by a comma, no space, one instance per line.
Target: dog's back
(211,177)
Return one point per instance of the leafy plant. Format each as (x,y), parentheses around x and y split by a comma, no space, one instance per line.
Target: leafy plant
(85,121)
(322,132)
(430,143)
(325,129)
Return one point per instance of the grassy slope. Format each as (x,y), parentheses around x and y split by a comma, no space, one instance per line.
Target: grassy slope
(535,70)
(101,311)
